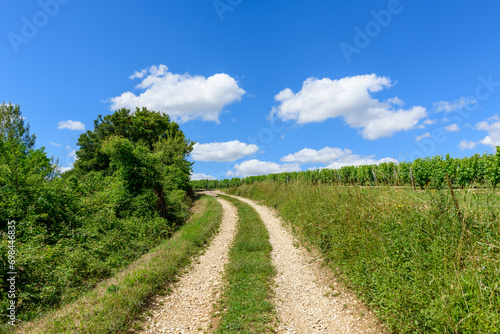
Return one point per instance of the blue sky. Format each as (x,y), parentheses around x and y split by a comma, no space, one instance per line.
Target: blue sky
(280,86)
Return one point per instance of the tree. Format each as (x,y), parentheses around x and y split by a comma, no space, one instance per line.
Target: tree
(24,170)
(143,126)
(145,149)
(20,162)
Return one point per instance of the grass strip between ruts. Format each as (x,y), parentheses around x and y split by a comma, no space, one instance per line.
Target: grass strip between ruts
(246,305)
(116,303)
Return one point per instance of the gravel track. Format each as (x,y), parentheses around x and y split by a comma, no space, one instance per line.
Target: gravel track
(189,308)
(304,299)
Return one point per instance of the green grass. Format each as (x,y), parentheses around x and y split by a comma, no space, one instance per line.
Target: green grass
(426,261)
(249,274)
(116,303)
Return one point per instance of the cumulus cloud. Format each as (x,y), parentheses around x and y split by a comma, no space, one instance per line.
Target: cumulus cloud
(349,98)
(183,96)
(222,152)
(425,135)
(325,156)
(333,157)
(201,176)
(452,106)
(493,129)
(467,145)
(257,167)
(71,125)
(452,128)
(429,122)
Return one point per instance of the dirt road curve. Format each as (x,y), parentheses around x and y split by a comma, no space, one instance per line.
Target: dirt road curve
(189,308)
(304,300)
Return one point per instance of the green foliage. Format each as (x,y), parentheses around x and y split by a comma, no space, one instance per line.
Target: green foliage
(427,262)
(144,126)
(127,194)
(116,303)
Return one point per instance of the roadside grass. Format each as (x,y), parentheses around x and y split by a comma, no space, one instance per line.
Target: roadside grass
(115,305)
(245,304)
(426,261)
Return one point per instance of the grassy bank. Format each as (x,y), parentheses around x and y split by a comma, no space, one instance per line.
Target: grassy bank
(425,261)
(249,273)
(114,305)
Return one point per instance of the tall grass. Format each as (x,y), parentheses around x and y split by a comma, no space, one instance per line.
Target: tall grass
(425,261)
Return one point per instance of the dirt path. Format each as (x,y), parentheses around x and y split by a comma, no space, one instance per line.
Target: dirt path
(305,300)
(189,308)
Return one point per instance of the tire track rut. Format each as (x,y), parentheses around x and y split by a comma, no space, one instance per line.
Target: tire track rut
(189,308)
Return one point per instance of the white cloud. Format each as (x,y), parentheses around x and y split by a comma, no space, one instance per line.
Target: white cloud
(256,167)
(325,156)
(201,176)
(429,122)
(228,151)
(358,162)
(425,135)
(63,169)
(396,101)
(493,129)
(182,96)
(349,98)
(55,144)
(333,157)
(455,105)
(467,145)
(138,75)
(452,128)
(71,125)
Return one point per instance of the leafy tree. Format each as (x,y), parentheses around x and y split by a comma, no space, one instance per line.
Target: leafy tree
(23,169)
(143,126)
(146,150)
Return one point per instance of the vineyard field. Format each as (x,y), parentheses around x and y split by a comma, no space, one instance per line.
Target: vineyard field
(477,170)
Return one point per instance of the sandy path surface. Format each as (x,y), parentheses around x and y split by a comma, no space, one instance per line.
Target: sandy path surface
(189,308)
(305,301)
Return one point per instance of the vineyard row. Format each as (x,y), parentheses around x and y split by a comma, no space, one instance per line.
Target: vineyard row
(432,172)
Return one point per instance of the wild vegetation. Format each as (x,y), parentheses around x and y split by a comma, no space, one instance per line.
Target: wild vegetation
(426,262)
(116,304)
(128,192)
